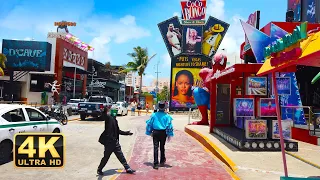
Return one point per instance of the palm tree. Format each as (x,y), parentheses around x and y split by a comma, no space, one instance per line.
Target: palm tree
(140,62)
(3,60)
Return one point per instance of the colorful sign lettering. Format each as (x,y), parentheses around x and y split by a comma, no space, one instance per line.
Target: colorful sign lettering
(256,129)
(193,9)
(283,57)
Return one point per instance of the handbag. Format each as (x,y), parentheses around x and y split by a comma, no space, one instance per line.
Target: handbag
(102,138)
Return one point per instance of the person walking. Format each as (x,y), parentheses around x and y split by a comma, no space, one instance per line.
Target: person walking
(159,126)
(147,108)
(110,139)
(133,107)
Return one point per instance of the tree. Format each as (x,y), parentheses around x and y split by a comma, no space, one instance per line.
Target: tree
(3,60)
(164,94)
(140,62)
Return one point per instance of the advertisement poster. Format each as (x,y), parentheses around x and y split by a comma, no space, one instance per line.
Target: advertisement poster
(243,107)
(253,20)
(257,86)
(268,107)
(192,39)
(193,9)
(27,55)
(183,79)
(256,129)
(286,129)
(311,11)
(172,35)
(284,85)
(214,32)
(295,6)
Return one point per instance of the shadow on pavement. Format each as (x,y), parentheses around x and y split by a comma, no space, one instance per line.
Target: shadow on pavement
(5,162)
(227,144)
(109,172)
(151,165)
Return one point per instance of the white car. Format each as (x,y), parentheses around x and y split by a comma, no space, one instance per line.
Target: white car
(122,108)
(19,119)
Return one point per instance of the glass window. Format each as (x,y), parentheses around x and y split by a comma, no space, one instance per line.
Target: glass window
(97,99)
(35,115)
(14,116)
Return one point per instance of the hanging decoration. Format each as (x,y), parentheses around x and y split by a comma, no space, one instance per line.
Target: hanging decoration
(78,42)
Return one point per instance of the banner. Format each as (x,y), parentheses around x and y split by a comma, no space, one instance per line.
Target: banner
(256,129)
(193,9)
(192,39)
(311,11)
(182,82)
(171,32)
(27,55)
(286,129)
(214,32)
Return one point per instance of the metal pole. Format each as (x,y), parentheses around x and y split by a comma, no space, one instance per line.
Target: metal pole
(157,84)
(189,115)
(92,77)
(274,82)
(74,82)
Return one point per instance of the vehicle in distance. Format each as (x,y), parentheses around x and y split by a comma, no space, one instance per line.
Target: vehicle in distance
(73,103)
(94,106)
(121,107)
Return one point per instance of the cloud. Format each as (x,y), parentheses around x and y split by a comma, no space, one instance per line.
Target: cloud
(166,60)
(215,8)
(177,14)
(147,79)
(28,39)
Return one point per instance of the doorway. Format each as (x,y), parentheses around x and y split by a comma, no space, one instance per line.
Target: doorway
(223,104)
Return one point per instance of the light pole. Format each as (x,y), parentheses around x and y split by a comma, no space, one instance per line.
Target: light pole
(157,83)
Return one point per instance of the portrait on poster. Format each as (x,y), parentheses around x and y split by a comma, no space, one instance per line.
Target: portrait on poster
(172,35)
(182,83)
(243,107)
(284,85)
(268,107)
(214,32)
(257,86)
(192,39)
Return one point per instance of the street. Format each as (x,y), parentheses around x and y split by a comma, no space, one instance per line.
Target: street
(186,159)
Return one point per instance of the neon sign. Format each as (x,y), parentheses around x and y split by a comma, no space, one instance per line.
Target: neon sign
(298,34)
(193,9)
(286,56)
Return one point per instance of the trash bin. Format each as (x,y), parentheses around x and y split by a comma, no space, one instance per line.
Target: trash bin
(114,112)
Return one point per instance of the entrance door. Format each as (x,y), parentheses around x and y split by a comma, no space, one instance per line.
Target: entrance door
(223,104)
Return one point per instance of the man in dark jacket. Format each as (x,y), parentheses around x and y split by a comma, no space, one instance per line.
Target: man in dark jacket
(110,139)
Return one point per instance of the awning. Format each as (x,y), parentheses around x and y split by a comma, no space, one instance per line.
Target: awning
(47,73)
(310,57)
(78,70)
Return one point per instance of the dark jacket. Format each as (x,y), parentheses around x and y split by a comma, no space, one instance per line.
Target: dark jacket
(111,130)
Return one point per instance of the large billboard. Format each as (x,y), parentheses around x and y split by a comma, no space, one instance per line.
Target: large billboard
(295,6)
(311,11)
(172,34)
(253,20)
(193,11)
(27,55)
(214,32)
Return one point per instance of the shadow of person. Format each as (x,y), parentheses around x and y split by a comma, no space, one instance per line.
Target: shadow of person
(109,172)
(151,165)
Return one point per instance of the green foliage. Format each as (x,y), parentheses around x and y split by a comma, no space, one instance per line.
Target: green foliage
(164,94)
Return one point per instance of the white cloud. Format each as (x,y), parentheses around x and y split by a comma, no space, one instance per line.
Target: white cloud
(166,60)
(177,14)
(147,79)
(28,39)
(215,8)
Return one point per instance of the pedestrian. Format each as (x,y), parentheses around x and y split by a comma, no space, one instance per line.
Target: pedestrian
(154,108)
(147,108)
(139,108)
(110,139)
(133,107)
(159,126)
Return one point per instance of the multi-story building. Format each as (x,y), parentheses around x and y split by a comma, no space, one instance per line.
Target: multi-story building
(161,83)
(137,80)
(129,79)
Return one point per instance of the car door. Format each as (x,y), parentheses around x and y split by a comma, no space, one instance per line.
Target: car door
(13,122)
(38,119)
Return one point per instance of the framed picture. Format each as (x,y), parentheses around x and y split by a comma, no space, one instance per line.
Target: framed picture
(192,39)
(284,85)
(256,129)
(257,86)
(286,129)
(243,107)
(267,107)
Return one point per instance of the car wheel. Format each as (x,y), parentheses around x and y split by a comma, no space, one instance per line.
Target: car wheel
(5,151)
(56,130)
(83,117)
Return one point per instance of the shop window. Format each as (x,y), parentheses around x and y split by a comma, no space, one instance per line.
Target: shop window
(39,83)
(34,115)
(14,116)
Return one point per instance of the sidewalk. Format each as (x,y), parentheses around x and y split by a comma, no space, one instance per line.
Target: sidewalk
(261,165)
(186,159)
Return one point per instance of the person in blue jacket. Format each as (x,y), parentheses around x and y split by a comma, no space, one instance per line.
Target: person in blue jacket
(159,126)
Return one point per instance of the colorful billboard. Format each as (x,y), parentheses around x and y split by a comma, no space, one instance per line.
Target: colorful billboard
(311,11)
(171,32)
(193,11)
(253,20)
(256,129)
(257,86)
(286,129)
(268,107)
(284,85)
(192,39)
(214,32)
(243,107)
(27,55)
(295,6)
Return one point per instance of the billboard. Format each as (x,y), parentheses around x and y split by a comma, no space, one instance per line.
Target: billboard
(192,39)
(27,55)
(295,6)
(214,32)
(193,11)
(171,33)
(311,11)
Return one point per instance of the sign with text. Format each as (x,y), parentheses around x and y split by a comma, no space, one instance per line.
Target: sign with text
(65,23)
(256,129)
(72,57)
(190,62)
(27,55)
(34,150)
(193,11)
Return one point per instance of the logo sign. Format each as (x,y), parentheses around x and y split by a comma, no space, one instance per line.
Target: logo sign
(219,73)
(27,55)
(193,11)
(65,23)
(98,84)
(283,57)
(72,57)
(33,150)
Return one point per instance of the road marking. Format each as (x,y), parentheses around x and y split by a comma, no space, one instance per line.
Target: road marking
(267,172)
(303,160)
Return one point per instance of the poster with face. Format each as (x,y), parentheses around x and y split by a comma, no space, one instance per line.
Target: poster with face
(214,32)
(172,35)
(183,79)
(192,39)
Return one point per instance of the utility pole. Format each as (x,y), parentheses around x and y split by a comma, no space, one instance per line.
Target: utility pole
(157,84)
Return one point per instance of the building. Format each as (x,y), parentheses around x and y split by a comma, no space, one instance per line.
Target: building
(129,79)
(137,80)
(161,83)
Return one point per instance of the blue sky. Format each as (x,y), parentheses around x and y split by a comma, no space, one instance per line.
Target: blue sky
(115,27)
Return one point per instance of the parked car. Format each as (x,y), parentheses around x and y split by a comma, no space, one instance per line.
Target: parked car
(19,119)
(73,103)
(122,108)
(94,106)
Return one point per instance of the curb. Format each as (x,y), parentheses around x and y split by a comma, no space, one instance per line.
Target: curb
(212,148)
(303,160)
(75,119)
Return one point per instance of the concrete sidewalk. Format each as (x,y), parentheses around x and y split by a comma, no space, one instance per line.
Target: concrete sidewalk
(186,159)
(259,165)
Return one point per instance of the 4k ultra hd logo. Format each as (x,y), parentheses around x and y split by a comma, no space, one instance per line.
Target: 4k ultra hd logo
(39,150)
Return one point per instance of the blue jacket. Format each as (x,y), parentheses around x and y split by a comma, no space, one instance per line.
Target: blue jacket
(160,121)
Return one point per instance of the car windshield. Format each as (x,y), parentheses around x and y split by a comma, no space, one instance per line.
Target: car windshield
(118,104)
(97,99)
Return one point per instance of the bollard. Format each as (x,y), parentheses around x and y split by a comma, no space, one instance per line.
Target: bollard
(189,115)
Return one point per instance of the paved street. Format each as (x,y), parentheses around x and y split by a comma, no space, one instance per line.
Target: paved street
(185,157)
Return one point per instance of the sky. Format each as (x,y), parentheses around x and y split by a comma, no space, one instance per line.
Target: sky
(113,28)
